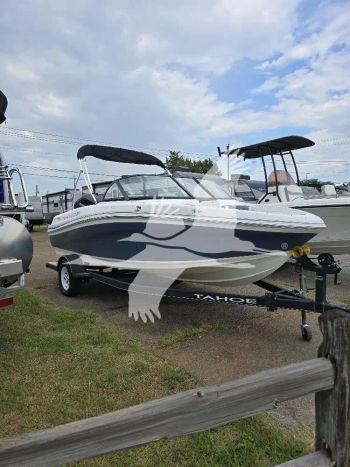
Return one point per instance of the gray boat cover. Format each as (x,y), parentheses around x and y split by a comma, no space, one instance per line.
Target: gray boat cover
(3,107)
(109,153)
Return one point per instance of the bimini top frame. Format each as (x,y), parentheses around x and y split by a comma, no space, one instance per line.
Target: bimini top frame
(275,147)
(113,154)
(10,201)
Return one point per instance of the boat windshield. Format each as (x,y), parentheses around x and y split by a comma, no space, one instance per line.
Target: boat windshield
(310,192)
(205,187)
(194,188)
(243,190)
(145,187)
(216,187)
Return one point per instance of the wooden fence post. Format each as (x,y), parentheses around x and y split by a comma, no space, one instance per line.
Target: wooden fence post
(333,405)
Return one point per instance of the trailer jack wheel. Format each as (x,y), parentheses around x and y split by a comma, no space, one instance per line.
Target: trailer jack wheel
(306,332)
(68,284)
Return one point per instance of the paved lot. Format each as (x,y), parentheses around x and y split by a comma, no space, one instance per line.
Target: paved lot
(249,339)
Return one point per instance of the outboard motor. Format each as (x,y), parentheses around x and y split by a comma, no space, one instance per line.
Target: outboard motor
(15,243)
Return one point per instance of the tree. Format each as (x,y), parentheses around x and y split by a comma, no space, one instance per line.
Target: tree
(177,161)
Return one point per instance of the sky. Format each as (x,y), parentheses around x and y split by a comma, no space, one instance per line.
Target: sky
(159,75)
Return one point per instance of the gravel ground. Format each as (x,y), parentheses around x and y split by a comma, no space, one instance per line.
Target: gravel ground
(246,339)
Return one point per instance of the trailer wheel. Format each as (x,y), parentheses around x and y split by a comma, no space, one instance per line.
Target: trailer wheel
(306,332)
(68,284)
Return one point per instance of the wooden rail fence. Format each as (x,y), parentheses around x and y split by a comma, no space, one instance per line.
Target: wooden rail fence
(200,409)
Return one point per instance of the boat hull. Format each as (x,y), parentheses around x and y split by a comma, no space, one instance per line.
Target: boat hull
(15,243)
(335,213)
(133,242)
(184,239)
(231,272)
(237,271)
(215,255)
(335,239)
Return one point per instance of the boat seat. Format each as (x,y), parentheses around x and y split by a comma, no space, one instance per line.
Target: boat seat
(286,194)
(290,192)
(328,190)
(86,200)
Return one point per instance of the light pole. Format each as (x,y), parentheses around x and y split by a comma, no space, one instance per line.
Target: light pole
(228,162)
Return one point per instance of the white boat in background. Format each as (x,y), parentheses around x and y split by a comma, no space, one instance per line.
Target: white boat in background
(35,216)
(284,189)
(152,223)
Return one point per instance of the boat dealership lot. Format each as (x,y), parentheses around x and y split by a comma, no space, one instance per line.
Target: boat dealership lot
(215,343)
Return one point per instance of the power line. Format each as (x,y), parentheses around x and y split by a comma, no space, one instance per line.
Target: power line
(215,158)
(103,175)
(55,135)
(72,140)
(56,138)
(46,175)
(59,170)
(33,151)
(58,176)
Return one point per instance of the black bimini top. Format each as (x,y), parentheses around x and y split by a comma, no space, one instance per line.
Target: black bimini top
(273,147)
(3,107)
(109,153)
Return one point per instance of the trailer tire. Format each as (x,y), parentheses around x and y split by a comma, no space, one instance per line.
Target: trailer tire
(68,284)
(306,332)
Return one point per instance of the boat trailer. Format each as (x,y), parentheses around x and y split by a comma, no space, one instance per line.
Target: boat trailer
(275,297)
(8,268)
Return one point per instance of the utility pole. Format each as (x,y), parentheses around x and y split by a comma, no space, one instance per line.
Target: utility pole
(228,162)
(36,190)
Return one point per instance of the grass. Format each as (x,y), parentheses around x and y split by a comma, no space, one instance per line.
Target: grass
(181,335)
(57,365)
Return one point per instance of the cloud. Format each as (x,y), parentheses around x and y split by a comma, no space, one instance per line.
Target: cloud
(143,74)
(268,85)
(209,36)
(51,105)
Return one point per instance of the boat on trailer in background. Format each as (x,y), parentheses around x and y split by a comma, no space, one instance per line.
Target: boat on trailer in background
(16,246)
(284,189)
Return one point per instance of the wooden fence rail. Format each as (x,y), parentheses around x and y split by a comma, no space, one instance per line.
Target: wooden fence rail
(197,410)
